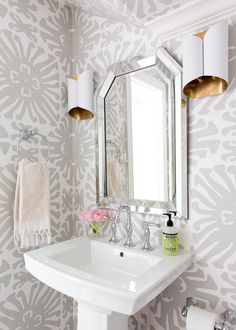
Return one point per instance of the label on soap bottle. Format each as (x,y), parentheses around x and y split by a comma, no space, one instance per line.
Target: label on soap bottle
(170,243)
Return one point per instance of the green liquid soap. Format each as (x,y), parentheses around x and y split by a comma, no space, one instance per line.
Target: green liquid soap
(170,237)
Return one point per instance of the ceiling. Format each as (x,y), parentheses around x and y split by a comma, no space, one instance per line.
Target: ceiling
(137,12)
(148,10)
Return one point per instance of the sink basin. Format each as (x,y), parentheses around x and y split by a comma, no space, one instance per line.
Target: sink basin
(107,265)
(107,278)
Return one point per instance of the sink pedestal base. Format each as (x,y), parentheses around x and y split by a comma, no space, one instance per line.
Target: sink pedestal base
(95,318)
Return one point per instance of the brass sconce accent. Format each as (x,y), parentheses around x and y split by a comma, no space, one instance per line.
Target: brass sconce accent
(205,62)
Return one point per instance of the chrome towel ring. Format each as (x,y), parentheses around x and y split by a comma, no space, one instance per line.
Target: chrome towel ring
(25,134)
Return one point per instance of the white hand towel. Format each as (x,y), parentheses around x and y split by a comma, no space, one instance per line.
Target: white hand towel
(31,212)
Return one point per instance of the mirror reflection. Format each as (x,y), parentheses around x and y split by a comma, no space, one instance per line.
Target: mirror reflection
(136,136)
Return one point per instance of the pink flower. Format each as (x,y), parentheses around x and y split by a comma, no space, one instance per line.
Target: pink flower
(99,215)
(86,216)
(96,214)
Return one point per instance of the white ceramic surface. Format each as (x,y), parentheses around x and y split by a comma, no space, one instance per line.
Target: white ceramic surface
(110,277)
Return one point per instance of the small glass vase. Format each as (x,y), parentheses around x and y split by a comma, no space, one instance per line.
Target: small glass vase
(94,228)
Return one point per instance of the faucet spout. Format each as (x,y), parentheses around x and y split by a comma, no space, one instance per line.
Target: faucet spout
(129,227)
(129,242)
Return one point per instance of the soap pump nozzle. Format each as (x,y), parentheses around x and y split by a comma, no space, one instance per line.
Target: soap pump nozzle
(173,212)
(169,215)
(170,236)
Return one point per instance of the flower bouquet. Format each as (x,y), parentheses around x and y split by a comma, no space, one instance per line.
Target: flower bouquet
(94,221)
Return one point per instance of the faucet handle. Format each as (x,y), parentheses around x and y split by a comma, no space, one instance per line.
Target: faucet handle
(147,245)
(152,224)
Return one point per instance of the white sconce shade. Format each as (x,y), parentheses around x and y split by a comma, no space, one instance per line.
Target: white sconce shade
(80,96)
(205,62)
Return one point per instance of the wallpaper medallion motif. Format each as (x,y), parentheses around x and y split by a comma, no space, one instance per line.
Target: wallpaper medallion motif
(34,66)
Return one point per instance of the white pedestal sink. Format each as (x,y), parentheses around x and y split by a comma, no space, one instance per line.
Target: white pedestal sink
(90,318)
(110,282)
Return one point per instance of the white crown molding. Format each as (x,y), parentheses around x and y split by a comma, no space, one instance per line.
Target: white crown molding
(194,16)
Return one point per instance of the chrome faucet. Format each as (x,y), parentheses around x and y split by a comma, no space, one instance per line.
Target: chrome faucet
(129,228)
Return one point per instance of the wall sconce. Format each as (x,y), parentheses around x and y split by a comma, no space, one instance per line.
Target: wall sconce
(80,96)
(205,62)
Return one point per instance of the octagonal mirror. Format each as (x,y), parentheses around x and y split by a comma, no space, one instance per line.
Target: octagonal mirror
(141,136)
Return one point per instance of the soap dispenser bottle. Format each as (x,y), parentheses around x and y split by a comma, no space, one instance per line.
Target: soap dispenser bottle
(170,239)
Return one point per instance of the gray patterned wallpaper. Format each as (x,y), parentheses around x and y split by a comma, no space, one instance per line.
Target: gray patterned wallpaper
(35,50)
(212,180)
(35,59)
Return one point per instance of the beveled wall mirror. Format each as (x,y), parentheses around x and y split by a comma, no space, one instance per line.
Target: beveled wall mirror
(141,136)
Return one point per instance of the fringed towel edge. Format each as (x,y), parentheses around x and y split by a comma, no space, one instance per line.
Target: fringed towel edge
(32,238)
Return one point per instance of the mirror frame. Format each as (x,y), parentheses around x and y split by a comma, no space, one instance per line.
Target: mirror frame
(180,135)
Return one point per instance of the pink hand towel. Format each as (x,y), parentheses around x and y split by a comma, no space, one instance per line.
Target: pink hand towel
(31,212)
